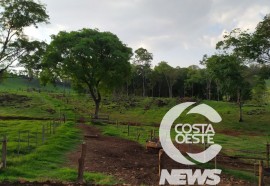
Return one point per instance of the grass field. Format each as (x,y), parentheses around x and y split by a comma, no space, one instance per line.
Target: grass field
(29,111)
(47,161)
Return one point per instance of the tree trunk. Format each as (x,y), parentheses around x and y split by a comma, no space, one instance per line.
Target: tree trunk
(209,89)
(159,89)
(240,106)
(97,103)
(192,90)
(127,89)
(143,93)
(218,95)
(240,113)
(96,97)
(170,91)
(133,86)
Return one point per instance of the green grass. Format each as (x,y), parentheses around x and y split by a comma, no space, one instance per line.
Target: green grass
(47,161)
(122,132)
(18,84)
(252,134)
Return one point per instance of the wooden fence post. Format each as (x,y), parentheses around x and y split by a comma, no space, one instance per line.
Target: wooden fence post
(138,136)
(50,128)
(19,141)
(28,140)
(128,130)
(43,134)
(81,163)
(53,127)
(64,117)
(4,152)
(160,161)
(36,139)
(267,154)
(261,173)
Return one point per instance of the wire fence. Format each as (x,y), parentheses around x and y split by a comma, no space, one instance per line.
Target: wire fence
(22,142)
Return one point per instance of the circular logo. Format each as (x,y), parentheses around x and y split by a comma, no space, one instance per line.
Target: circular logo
(165,133)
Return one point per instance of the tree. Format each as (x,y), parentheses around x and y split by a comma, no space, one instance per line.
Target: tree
(15,15)
(193,77)
(143,60)
(169,73)
(32,60)
(247,45)
(228,71)
(261,41)
(91,59)
(154,78)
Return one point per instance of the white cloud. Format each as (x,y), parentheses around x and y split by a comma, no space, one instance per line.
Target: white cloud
(44,32)
(177,31)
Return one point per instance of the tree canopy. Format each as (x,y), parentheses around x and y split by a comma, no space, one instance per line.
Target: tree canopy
(142,60)
(15,15)
(89,58)
(250,46)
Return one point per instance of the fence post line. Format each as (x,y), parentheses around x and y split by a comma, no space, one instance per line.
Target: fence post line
(128,129)
(36,139)
(50,128)
(261,173)
(43,134)
(28,140)
(267,154)
(19,141)
(4,152)
(81,163)
(64,117)
(138,136)
(160,161)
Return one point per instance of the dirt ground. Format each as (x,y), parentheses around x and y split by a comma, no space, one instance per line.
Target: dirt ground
(126,160)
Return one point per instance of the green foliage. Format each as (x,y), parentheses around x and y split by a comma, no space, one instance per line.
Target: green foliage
(227,70)
(46,162)
(170,74)
(15,15)
(259,91)
(143,57)
(249,46)
(142,62)
(89,58)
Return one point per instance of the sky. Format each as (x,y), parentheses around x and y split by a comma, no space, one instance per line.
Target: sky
(179,32)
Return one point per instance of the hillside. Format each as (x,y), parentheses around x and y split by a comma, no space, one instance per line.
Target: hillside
(18,83)
(26,112)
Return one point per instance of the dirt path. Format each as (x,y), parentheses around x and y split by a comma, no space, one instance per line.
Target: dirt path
(128,161)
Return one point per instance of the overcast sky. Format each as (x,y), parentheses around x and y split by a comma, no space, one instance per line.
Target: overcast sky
(176,31)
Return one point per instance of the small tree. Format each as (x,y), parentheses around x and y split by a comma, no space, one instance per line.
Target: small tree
(15,15)
(142,60)
(90,59)
(169,73)
(228,71)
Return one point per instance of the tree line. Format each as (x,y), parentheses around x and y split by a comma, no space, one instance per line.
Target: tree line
(93,61)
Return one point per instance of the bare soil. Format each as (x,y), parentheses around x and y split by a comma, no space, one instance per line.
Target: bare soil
(126,160)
